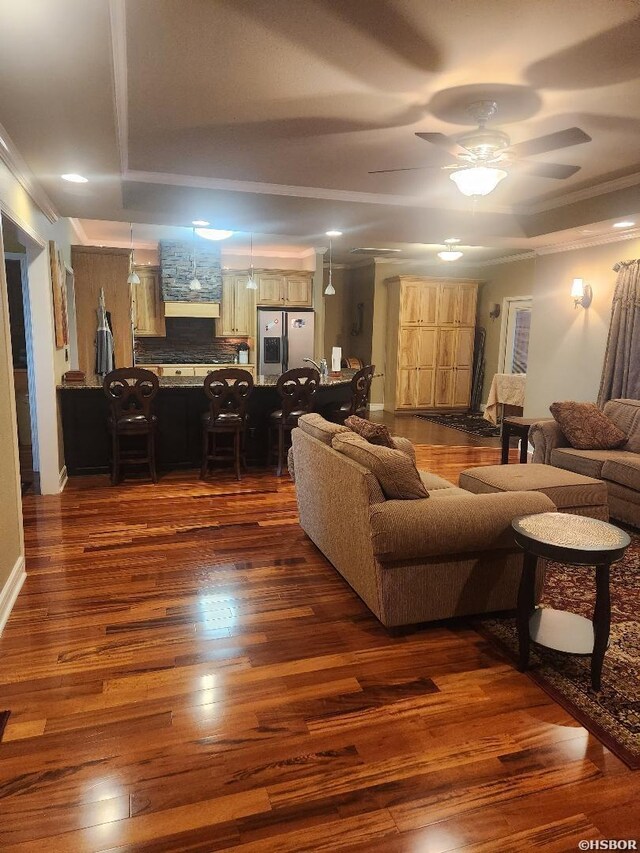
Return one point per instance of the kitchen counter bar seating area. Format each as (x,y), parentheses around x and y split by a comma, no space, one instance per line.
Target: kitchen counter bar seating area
(179,406)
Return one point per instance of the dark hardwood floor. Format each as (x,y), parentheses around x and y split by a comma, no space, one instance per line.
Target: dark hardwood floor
(185,671)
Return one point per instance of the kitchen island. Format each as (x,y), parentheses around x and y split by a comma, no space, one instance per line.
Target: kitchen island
(179,406)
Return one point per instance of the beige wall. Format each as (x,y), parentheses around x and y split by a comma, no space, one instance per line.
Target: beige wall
(335,310)
(499,282)
(10,500)
(567,344)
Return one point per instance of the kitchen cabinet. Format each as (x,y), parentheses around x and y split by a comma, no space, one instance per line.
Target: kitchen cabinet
(285,289)
(431,334)
(146,304)
(238,312)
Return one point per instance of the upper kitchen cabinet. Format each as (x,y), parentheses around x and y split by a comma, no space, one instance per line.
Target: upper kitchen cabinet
(285,289)
(147,305)
(237,317)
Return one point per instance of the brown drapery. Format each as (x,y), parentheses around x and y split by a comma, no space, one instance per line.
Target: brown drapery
(621,369)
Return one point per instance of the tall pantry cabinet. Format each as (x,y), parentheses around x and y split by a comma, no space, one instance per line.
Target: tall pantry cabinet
(430,340)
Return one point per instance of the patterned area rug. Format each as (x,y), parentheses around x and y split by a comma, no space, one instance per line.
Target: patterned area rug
(4,716)
(472,424)
(613,715)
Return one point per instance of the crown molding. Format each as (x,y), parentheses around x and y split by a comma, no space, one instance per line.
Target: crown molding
(260,188)
(596,240)
(580,195)
(507,259)
(78,230)
(118,26)
(12,159)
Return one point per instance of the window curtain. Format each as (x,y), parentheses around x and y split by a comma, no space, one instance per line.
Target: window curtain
(621,370)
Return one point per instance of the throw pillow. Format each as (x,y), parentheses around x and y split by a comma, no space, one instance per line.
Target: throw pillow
(373,433)
(586,427)
(315,425)
(395,471)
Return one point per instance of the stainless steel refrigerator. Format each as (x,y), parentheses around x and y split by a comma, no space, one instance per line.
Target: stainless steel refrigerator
(284,339)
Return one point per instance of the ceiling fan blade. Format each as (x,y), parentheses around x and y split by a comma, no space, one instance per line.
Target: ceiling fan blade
(445,142)
(408,169)
(550,142)
(549,170)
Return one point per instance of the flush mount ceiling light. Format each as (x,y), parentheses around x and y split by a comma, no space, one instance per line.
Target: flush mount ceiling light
(449,254)
(213,233)
(201,223)
(74,178)
(252,284)
(477,181)
(334,233)
(133,277)
(626,224)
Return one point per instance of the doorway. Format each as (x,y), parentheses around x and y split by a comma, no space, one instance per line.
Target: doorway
(15,263)
(514,343)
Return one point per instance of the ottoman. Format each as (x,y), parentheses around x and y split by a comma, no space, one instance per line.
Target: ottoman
(570,492)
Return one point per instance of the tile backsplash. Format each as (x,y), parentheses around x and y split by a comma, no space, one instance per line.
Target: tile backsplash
(189,340)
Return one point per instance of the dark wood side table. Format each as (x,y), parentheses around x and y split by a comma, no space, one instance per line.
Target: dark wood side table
(512,425)
(579,541)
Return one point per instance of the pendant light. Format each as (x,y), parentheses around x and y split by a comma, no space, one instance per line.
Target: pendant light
(252,284)
(330,289)
(194,284)
(133,278)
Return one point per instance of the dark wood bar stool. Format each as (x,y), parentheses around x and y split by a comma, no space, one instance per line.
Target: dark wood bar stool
(360,390)
(228,391)
(131,391)
(297,390)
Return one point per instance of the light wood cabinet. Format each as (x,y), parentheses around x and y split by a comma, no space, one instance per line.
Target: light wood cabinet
(237,315)
(147,305)
(285,289)
(431,333)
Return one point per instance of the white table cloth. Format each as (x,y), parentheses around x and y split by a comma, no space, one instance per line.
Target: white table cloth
(506,389)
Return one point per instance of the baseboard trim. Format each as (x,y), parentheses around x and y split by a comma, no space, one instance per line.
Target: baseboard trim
(376,407)
(64,479)
(10,590)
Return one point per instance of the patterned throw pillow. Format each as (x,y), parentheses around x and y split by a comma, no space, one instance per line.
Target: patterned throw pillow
(395,471)
(586,427)
(373,433)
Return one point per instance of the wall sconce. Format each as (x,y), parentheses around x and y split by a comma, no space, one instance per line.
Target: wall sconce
(581,293)
(494,311)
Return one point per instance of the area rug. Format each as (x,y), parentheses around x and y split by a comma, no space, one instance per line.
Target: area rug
(4,716)
(472,424)
(613,715)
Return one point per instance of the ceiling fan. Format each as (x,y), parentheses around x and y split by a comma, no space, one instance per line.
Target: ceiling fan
(482,154)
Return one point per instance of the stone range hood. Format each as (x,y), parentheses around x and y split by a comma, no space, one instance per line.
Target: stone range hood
(176,271)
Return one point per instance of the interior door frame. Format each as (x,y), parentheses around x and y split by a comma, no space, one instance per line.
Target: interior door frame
(506,305)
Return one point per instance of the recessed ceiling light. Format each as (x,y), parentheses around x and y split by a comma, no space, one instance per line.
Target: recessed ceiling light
(334,233)
(626,224)
(213,233)
(201,223)
(74,179)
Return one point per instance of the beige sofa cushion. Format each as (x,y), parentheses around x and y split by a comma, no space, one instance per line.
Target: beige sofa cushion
(396,472)
(623,468)
(565,488)
(317,427)
(626,415)
(586,462)
(433,483)
(586,427)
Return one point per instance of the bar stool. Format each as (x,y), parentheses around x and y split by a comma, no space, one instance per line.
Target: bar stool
(131,392)
(360,389)
(297,390)
(228,391)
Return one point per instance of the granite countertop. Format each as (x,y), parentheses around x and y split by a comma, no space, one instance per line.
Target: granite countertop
(93,382)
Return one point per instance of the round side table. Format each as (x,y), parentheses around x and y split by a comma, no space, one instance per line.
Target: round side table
(579,541)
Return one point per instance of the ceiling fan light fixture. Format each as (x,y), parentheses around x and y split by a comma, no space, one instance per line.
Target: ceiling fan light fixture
(448,255)
(477,180)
